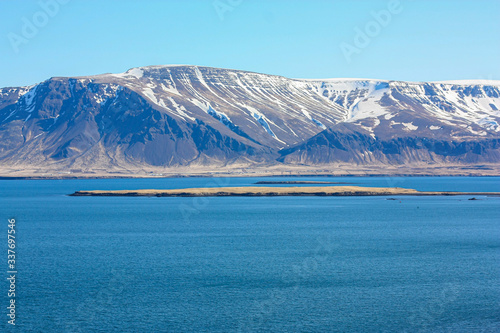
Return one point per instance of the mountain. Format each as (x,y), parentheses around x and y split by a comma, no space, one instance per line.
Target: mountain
(168,118)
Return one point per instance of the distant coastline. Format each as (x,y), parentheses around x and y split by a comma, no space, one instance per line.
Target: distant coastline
(298,182)
(255,191)
(256,174)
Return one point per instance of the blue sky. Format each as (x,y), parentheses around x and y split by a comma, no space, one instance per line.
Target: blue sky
(420,40)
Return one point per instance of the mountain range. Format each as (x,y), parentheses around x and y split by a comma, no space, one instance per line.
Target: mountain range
(176,119)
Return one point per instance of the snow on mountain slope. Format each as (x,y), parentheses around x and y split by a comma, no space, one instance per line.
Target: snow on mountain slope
(325,102)
(181,114)
(465,105)
(236,94)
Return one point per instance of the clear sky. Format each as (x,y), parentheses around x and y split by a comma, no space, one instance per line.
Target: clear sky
(420,40)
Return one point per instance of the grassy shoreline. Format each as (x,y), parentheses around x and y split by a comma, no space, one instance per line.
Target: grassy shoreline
(276,191)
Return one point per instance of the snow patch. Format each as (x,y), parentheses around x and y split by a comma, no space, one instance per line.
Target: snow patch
(137,72)
(489,123)
(180,109)
(263,121)
(220,116)
(170,89)
(469,82)
(108,91)
(134,72)
(410,126)
(29,99)
(150,94)
(317,122)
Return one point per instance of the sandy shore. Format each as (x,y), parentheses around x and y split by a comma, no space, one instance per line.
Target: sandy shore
(272,191)
(334,170)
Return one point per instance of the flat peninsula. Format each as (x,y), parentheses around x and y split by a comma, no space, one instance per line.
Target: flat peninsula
(272,191)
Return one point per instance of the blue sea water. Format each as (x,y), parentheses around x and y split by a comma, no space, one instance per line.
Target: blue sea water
(252,264)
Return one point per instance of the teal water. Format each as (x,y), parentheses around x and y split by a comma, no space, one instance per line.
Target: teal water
(247,264)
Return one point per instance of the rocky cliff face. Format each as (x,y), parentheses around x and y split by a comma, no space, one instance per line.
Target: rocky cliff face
(345,145)
(170,116)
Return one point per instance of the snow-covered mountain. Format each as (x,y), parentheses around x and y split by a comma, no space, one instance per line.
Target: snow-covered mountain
(171,116)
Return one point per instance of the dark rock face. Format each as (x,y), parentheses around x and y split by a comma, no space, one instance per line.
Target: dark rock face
(64,122)
(333,146)
(167,116)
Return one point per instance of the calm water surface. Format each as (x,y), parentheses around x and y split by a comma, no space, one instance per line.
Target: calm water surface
(243,264)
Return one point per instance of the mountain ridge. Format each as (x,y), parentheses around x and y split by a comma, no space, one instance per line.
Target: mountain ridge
(186,116)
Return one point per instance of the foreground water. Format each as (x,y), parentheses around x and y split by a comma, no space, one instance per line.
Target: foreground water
(282,264)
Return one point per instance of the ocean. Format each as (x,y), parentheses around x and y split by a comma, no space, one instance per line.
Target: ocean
(252,264)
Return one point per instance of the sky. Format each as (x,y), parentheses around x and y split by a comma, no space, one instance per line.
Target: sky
(410,40)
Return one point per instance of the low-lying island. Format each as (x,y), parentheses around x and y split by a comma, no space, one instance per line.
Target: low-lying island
(257,191)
